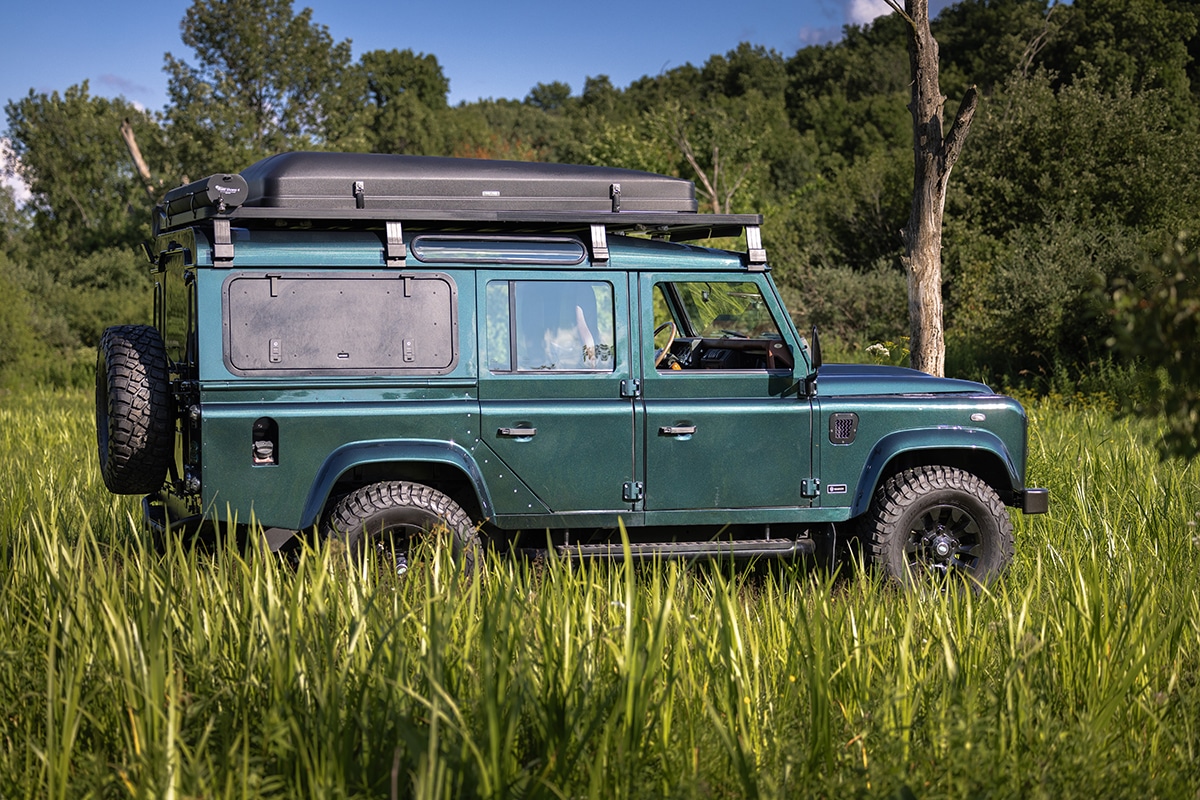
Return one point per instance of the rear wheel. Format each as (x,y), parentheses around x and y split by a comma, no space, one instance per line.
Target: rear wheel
(135,431)
(389,518)
(937,522)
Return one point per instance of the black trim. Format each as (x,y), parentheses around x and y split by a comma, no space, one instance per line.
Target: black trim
(1035,501)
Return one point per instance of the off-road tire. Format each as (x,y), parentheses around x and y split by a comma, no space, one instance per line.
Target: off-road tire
(368,516)
(937,521)
(135,431)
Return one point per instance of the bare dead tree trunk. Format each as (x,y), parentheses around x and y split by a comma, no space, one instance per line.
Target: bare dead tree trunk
(139,163)
(934,157)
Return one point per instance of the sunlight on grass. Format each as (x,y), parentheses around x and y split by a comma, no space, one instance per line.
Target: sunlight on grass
(136,667)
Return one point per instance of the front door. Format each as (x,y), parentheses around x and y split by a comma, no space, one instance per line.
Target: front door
(724,427)
(554,387)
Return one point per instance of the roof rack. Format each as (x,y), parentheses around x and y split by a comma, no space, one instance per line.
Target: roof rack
(339,190)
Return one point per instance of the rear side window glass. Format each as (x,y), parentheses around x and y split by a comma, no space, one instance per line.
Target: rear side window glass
(334,324)
(446,248)
(550,326)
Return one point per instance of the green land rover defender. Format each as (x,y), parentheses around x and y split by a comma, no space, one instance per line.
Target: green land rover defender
(381,347)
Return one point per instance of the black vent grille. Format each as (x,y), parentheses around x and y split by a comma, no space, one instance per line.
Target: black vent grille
(843,427)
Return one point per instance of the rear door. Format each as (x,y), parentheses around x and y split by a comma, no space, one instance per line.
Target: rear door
(554,384)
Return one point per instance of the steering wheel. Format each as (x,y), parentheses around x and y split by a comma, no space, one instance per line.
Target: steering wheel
(661,353)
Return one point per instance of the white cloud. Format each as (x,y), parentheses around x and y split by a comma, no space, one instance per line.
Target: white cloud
(9,176)
(860,12)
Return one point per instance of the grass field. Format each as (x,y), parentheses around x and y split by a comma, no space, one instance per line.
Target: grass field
(148,669)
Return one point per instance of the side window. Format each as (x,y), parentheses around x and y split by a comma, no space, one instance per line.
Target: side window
(557,326)
(715,325)
(723,310)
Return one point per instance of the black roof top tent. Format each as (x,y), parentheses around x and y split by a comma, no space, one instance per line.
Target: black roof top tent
(363,190)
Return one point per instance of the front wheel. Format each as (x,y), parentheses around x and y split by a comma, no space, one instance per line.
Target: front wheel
(389,518)
(936,522)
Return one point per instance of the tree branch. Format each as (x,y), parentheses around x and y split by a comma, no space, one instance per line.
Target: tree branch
(899,10)
(1036,44)
(681,141)
(139,163)
(953,143)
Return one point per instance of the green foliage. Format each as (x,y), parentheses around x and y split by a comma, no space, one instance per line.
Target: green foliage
(1083,153)
(1138,43)
(858,307)
(266,80)
(852,94)
(984,42)
(720,147)
(626,145)
(1083,159)
(86,193)
(1058,194)
(57,309)
(744,70)
(505,129)
(157,667)
(15,220)
(20,349)
(552,98)
(1158,323)
(391,74)
(405,98)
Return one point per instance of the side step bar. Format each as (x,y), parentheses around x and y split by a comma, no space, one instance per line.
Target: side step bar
(747,548)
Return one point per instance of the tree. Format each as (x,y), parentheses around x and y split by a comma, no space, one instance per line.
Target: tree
(1141,43)
(934,155)
(989,40)
(1158,322)
(549,97)
(1060,193)
(404,95)
(849,94)
(19,348)
(266,80)
(721,143)
(599,96)
(68,150)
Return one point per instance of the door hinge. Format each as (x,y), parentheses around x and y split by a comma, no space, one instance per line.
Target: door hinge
(810,487)
(633,491)
(631,387)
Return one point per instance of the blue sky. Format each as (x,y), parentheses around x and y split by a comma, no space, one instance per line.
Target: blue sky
(493,48)
(487,48)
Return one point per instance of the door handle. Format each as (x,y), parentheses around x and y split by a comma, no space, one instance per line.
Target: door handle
(677,430)
(517,432)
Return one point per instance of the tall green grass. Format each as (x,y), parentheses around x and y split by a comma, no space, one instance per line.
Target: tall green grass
(138,668)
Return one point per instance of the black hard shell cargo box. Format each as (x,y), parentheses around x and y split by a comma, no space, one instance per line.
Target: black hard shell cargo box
(375,181)
(374,191)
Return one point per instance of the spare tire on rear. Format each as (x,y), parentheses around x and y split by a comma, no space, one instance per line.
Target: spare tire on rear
(135,430)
